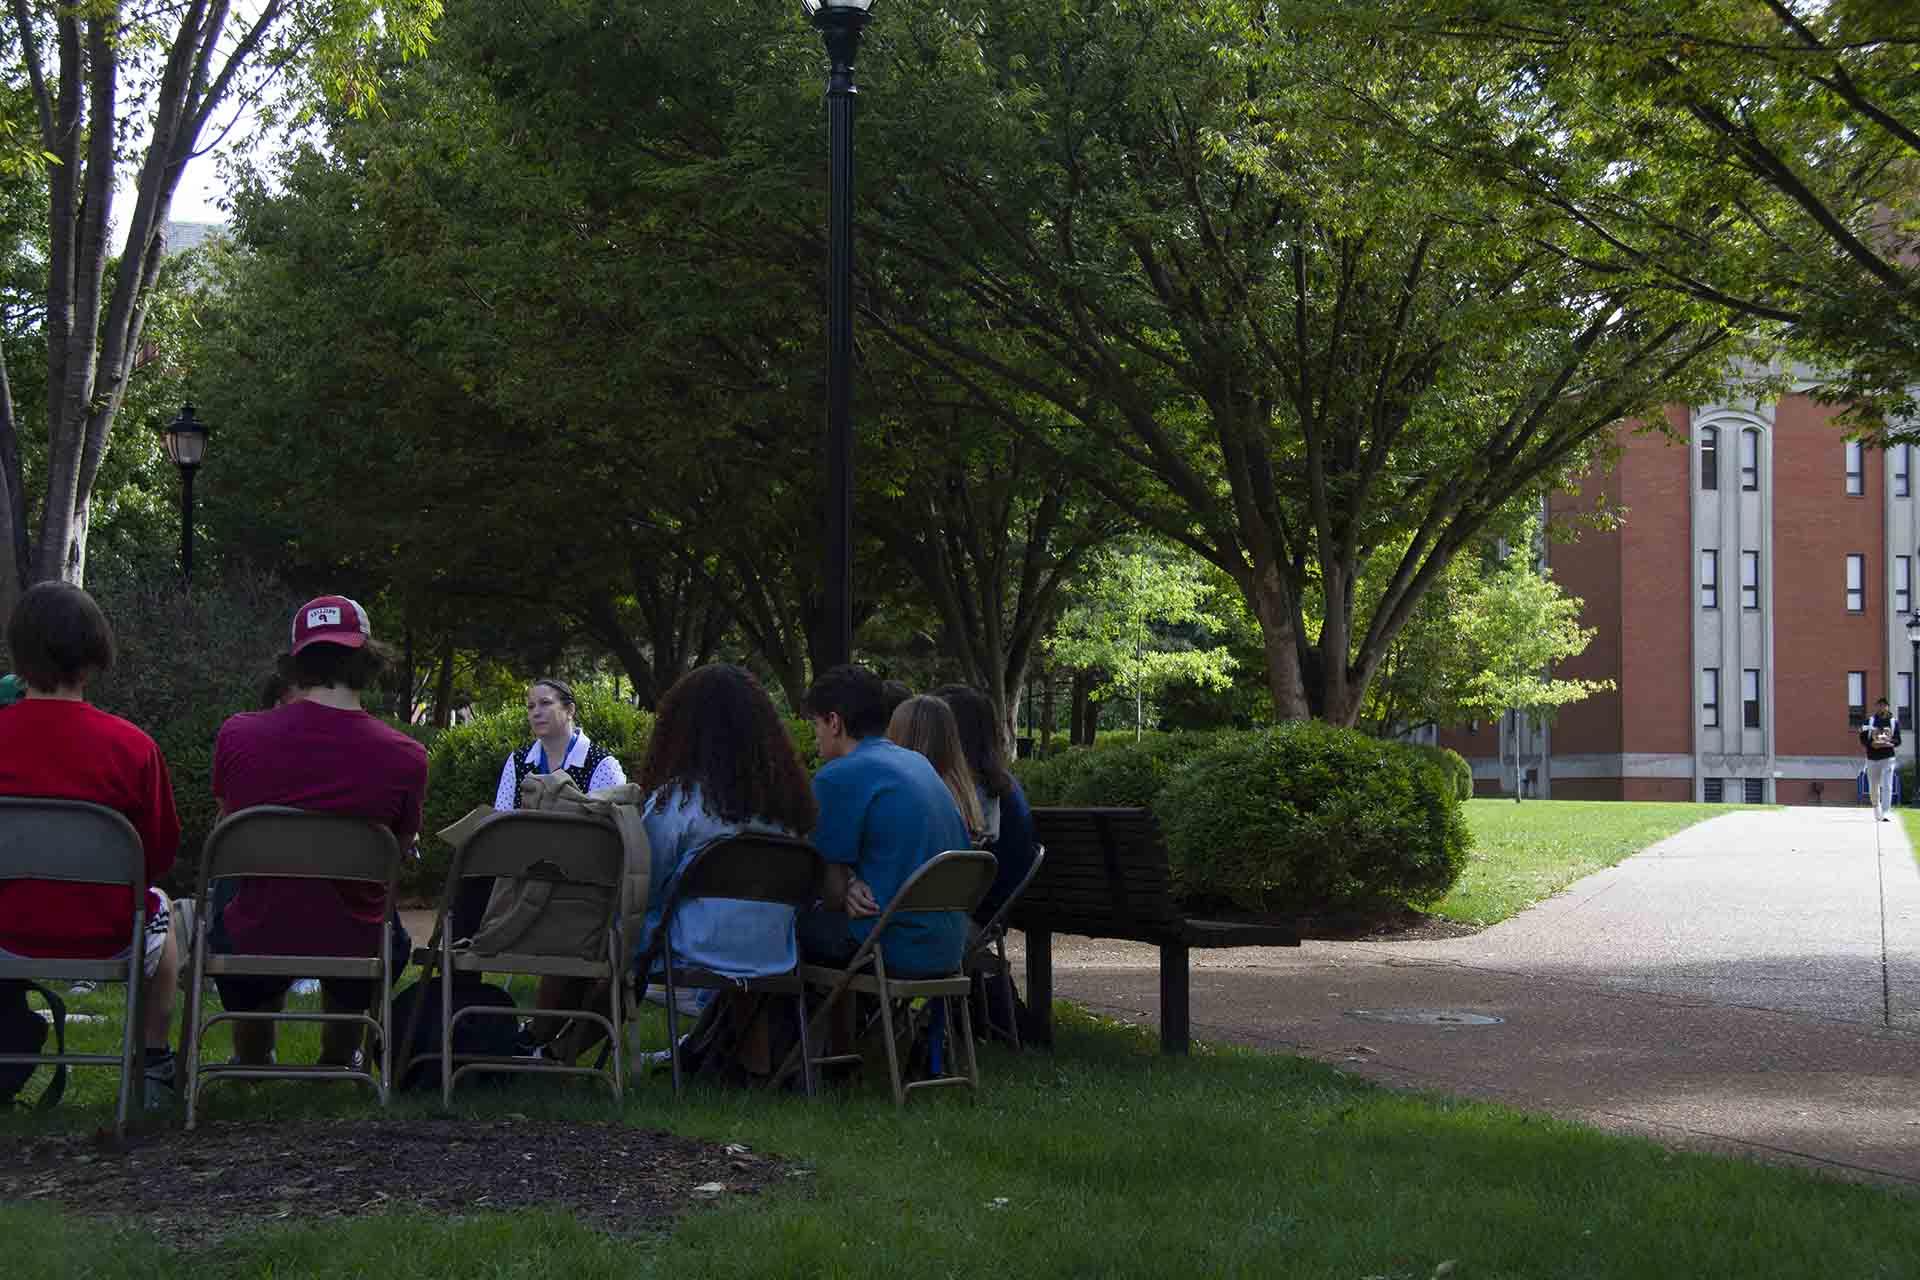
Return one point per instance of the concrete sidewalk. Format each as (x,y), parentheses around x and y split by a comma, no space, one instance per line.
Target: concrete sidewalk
(1749,985)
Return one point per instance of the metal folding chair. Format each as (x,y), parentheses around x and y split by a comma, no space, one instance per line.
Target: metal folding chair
(530,844)
(82,843)
(751,867)
(291,844)
(951,881)
(987,957)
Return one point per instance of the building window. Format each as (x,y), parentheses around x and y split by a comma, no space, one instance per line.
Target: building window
(1756,790)
(1856,584)
(1709,457)
(1750,697)
(1856,469)
(1750,459)
(1903,471)
(1905,708)
(1903,584)
(1749,579)
(1856,699)
(1716,791)
(1709,579)
(1710,697)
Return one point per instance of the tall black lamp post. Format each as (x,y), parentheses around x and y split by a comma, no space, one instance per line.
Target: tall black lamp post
(840,23)
(1913,698)
(186,438)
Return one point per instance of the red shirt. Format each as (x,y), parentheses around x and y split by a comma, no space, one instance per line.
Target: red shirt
(72,751)
(322,758)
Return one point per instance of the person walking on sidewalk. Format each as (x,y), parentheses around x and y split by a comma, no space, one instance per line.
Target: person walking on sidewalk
(1880,735)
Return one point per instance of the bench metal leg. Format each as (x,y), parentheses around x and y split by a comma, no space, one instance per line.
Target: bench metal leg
(1039,1028)
(1174,1012)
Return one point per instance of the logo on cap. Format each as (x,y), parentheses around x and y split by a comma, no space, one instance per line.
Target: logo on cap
(327,617)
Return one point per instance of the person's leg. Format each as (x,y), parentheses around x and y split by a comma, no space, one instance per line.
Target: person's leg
(161,987)
(245,993)
(340,1042)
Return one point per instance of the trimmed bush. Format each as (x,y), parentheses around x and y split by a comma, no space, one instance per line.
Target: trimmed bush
(1453,764)
(1309,817)
(1116,771)
(464,764)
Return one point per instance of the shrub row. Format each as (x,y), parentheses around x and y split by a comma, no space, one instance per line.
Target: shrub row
(1299,817)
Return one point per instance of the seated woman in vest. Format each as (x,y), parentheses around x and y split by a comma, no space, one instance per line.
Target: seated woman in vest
(57,746)
(720,762)
(559,746)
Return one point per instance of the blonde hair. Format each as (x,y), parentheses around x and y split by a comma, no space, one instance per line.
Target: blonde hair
(925,724)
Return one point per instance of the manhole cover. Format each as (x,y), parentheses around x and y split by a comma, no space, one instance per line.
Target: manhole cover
(1427,1017)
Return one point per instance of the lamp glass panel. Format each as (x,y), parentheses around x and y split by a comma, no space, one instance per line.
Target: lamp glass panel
(189,447)
(813,7)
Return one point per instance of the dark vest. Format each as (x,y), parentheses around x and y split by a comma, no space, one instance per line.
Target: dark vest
(582,774)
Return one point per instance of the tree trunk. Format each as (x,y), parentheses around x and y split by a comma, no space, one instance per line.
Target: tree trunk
(1272,606)
(443,686)
(1046,713)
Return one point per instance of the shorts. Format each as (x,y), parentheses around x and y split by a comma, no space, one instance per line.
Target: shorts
(159,924)
(250,993)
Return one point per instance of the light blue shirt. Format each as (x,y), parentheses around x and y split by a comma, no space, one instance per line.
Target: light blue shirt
(729,936)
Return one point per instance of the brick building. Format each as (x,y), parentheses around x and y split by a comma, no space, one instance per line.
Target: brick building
(1750,608)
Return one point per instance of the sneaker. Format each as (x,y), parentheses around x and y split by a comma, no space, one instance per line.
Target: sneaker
(162,1083)
(358,1062)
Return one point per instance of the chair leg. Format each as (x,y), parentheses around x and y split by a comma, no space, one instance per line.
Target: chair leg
(808,1082)
(446,1027)
(893,1050)
(673,1026)
(385,1087)
(966,1039)
(1013,997)
(133,1041)
(192,1035)
(617,1002)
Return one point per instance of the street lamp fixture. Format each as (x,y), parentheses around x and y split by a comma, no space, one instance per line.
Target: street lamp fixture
(840,23)
(1913,697)
(186,438)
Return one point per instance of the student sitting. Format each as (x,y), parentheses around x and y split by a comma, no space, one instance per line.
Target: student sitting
(720,763)
(884,813)
(1006,820)
(57,746)
(318,751)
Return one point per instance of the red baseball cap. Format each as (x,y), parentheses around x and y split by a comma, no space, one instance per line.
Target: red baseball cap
(330,620)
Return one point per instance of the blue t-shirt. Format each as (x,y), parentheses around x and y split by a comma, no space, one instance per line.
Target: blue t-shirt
(738,939)
(885,812)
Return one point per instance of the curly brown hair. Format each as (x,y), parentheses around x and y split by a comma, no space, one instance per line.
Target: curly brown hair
(716,729)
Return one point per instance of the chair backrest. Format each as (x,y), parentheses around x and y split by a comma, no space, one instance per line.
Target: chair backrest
(952,881)
(998,922)
(753,867)
(72,840)
(532,844)
(298,844)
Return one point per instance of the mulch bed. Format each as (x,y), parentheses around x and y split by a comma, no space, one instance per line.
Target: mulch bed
(189,1187)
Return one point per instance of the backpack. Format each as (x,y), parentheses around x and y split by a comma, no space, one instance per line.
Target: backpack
(24,1031)
(492,1036)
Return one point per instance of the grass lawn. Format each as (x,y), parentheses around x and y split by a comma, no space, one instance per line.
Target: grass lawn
(1529,851)
(1910,818)
(1099,1159)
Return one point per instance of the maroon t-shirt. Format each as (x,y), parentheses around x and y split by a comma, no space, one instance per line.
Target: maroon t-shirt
(310,756)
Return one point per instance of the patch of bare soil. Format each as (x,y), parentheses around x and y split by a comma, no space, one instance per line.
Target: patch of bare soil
(186,1187)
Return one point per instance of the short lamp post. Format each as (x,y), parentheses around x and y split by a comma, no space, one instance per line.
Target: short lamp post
(186,438)
(840,23)
(1913,696)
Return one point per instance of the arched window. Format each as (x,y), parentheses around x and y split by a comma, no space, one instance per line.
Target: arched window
(1709,457)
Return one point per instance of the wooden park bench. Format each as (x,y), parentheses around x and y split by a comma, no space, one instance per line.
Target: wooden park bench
(1106,877)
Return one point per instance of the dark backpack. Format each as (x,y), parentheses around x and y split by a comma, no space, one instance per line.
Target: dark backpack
(492,1035)
(24,1031)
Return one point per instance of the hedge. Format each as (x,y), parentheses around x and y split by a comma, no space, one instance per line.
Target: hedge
(1300,817)
(1309,817)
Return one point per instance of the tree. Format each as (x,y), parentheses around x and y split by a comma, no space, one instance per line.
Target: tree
(1134,620)
(1793,124)
(1483,642)
(1266,329)
(114,85)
